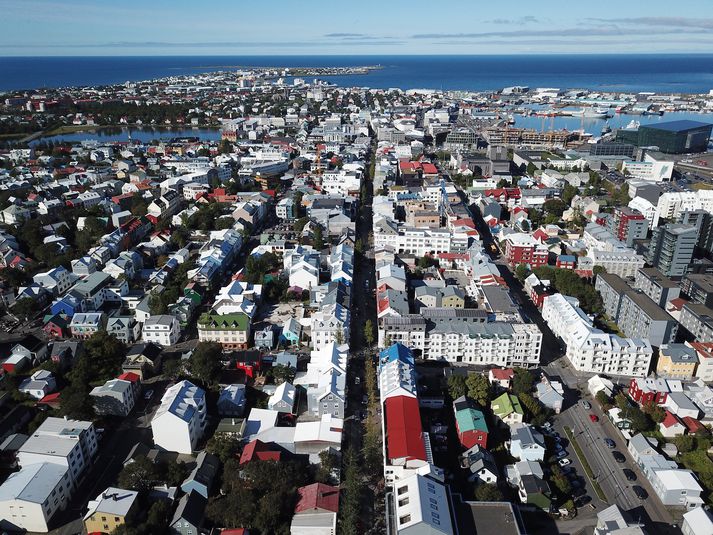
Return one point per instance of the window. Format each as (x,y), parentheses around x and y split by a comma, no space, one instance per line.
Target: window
(403,501)
(404,519)
(402,490)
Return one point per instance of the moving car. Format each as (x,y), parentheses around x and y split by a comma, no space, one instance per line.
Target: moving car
(610,443)
(629,474)
(618,457)
(640,492)
(594,418)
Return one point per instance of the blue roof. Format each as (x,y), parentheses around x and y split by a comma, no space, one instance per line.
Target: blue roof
(397,351)
(567,258)
(677,126)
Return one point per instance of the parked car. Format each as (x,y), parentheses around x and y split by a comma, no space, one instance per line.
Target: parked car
(640,492)
(357,380)
(561,454)
(629,474)
(564,462)
(148,395)
(547,425)
(582,500)
(586,404)
(578,492)
(618,457)
(610,443)
(594,418)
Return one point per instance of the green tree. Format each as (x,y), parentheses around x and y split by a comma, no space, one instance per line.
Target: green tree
(568,193)
(655,411)
(523,381)
(224,446)
(486,492)
(369,335)
(328,462)
(685,443)
(282,373)
(478,388)
(457,386)
(352,498)
(24,308)
(531,168)
(318,238)
(300,224)
(605,402)
(140,475)
(205,362)
(522,272)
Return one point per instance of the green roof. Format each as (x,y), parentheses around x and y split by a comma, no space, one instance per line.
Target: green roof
(506,404)
(471,420)
(224,322)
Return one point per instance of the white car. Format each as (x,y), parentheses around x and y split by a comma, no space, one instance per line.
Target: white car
(564,462)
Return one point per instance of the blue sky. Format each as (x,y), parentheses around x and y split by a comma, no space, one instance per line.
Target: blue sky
(306,27)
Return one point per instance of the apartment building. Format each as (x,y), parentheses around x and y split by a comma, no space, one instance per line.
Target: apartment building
(635,313)
(163,330)
(116,397)
(232,331)
(671,248)
(676,361)
(522,248)
(697,320)
(408,240)
(180,420)
(622,262)
(659,288)
(699,287)
(590,349)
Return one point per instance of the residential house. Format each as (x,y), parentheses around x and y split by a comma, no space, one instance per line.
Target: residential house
(163,330)
(507,409)
(470,424)
(316,510)
(526,443)
(110,510)
(232,331)
(421,505)
(86,324)
(116,397)
(143,359)
(291,334)
(501,377)
(698,521)
(188,517)
(550,394)
(676,361)
(283,400)
(481,464)
(39,384)
(124,328)
(671,426)
(203,475)
(231,401)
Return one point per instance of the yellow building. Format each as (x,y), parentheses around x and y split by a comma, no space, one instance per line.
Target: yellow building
(109,510)
(676,361)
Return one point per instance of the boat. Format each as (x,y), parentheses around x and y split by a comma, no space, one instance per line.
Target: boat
(606,129)
(594,113)
(633,125)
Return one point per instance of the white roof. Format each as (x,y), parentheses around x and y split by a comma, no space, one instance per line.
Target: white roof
(699,521)
(180,400)
(678,479)
(285,392)
(260,420)
(112,501)
(327,429)
(34,483)
(427,505)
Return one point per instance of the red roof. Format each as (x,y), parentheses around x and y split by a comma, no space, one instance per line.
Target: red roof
(404,436)
(50,398)
(235,531)
(704,349)
(678,303)
(692,424)
(258,450)
(502,374)
(318,496)
(429,169)
(129,376)
(670,420)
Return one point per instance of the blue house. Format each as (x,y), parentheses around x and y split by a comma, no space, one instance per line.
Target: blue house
(69,305)
(291,332)
(203,475)
(285,358)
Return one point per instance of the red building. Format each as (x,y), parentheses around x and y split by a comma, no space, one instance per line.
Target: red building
(622,218)
(566,261)
(257,450)
(648,390)
(522,248)
(404,435)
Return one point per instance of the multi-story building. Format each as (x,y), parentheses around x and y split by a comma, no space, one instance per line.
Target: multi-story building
(704,353)
(30,498)
(673,137)
(71,444)
(232,331)
(656,286)
(86,324)
(676,361)
(635,313)
(330,324)
(628,225)
(285,209)
(522,248)
(420,505)
(671,248)
(163,330)
(697,320)
(407,330)
(622,262)
(703,221)
(116,397)
(499,344)
(179,422)
(416,241)
(699,287)
(590,349)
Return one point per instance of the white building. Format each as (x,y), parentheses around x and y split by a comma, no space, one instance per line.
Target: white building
(163,330)
(649,170)
(416,241)
(283,400)
(31,497)
(330,324)
(622,262)
(421,506)
(179,422)
(116,397)
(590,349)
(71,444)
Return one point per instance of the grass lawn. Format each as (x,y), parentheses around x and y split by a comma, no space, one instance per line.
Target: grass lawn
(585,464)
(699,462)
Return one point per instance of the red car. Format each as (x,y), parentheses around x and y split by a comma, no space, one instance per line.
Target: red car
(594,418)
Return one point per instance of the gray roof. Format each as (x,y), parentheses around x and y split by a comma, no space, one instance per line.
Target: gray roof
(191,508)
(679,353)
(484,330)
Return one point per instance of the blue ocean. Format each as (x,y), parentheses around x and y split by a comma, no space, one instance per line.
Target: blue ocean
(663,73)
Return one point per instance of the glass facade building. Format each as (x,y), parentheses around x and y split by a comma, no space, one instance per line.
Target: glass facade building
(675,137)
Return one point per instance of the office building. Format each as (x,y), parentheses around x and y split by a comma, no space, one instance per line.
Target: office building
(674,137)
